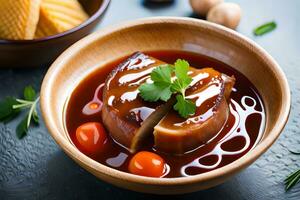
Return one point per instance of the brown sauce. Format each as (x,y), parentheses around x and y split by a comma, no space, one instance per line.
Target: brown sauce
(241,133)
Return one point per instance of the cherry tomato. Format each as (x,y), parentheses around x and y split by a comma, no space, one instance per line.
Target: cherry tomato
(91,136)
(145,163)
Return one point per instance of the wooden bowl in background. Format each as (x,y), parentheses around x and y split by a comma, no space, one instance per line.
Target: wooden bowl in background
(38,52)
(165,33)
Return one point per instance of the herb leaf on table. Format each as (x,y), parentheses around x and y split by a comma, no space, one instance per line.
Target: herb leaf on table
(7,112)
(29,93)
(265,28)
(292,180)
(10,107)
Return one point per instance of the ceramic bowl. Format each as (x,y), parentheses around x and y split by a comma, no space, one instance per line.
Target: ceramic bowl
(165,33)
(42,51)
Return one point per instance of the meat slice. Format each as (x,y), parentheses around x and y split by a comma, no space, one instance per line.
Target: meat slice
(131,120)
(209,90)
(125,114)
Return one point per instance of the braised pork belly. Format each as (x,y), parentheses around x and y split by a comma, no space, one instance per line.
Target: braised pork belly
(131,120)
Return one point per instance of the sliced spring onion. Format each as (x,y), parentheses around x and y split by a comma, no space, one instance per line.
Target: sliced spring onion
(265,28)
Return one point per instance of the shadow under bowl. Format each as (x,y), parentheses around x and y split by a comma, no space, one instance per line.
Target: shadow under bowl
(165,33)
(42,51)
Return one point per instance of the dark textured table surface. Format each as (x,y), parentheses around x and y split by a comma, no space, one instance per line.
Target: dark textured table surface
(36,168)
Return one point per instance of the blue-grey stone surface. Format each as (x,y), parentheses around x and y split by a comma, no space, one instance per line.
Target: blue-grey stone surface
(36,168)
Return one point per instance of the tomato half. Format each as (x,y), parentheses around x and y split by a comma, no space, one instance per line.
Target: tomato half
(91,136)
(145,163)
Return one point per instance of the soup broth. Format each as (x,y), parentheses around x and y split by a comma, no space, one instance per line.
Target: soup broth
(241,132)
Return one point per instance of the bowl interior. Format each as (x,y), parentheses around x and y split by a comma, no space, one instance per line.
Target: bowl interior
(91,6)
(165,34)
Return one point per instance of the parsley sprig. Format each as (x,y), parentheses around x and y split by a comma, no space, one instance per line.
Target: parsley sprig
(10,107)
(163,87)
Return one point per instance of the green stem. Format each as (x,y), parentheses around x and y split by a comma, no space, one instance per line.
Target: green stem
(21,105)
(22,101)
(183,93)
(31,111)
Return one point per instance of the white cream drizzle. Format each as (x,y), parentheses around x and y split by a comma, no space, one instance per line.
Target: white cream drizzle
(129,96)
(143,62)
(205,94)
(110,100)
(137,83)
(134,76)
(198,77)
(238,129)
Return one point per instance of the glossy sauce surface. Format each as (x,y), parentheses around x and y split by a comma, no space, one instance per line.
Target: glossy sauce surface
(122,94)
(241,132)
(206,88)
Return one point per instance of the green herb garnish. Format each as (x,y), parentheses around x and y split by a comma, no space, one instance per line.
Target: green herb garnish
(160,89)
(10,107)
(163,87)
(292,180)
(184,107)
(265,28)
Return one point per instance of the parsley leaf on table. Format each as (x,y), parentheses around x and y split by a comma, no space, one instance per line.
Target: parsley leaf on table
(29,93)
(6,109)
(10,107)
(22,128)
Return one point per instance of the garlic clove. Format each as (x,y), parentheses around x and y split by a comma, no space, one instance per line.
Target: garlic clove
(226,14)
(201,7)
